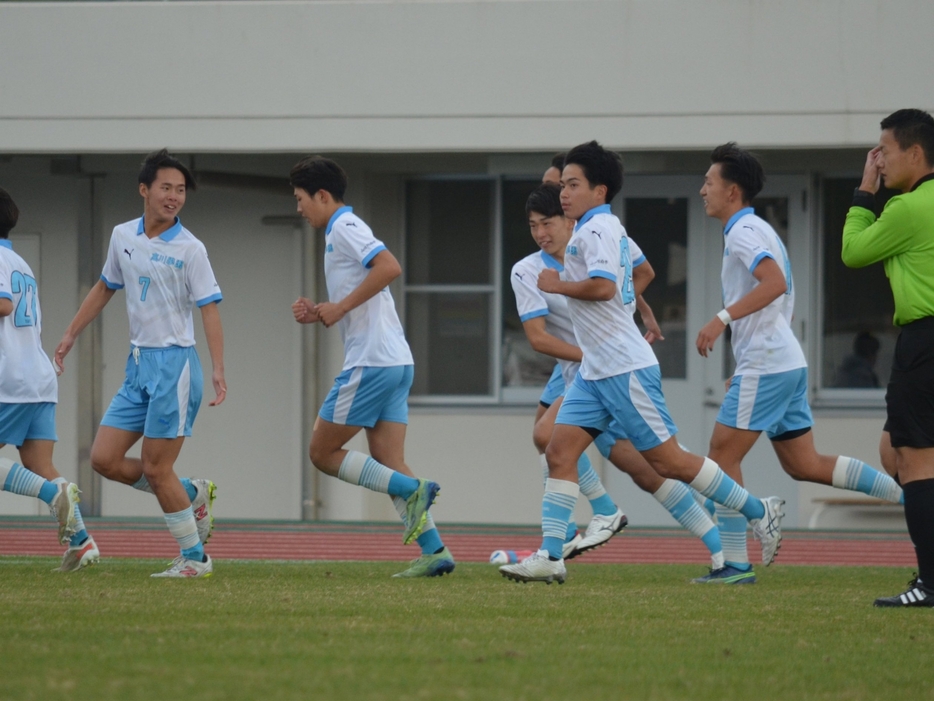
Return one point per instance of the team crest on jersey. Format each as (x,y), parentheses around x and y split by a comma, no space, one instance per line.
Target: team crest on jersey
(176,263)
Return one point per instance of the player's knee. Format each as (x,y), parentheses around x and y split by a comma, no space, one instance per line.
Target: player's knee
(321,457)
(103,463)
(540,437)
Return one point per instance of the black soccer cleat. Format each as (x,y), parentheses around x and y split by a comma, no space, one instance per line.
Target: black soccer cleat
(917,595)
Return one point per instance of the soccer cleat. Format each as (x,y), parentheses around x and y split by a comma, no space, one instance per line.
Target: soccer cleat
(203,507)
(600,530)
(183,568)
(727,575)
(768,529)
(537,567)
(63,509)
(416,509)
(435,565)
(917,596)
(570,549)
(78,556)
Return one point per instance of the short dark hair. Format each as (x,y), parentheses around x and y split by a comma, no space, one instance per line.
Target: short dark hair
(9,213)
(545,200)
(156,161)
(601,167)
(319,173)
(557,161)
(910,127)
(740,167)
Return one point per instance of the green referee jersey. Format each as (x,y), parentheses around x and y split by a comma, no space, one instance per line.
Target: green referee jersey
(903,239)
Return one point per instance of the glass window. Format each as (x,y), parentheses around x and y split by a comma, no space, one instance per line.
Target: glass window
(858,335)
(450,287)
(659,225)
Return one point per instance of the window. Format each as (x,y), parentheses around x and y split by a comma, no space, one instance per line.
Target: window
(450,290)
(858,335)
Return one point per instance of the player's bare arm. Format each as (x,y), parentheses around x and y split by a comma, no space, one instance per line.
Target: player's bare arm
(642,275)
(653,332)
(303,309)
(543,342)
(595,289)
(771,285)
(214,333)
(6,307)
(384,268)
(92,305)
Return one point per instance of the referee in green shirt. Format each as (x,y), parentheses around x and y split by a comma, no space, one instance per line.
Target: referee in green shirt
(902,238)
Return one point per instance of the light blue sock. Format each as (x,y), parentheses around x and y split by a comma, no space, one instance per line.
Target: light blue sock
(183,528)
(364,471)
(592,488)
(850,473)
(81,534)
(678,499)
(713,482)
(16,479)
(572,530)
(430,540)
(142,484)
(732,527)
(557,507)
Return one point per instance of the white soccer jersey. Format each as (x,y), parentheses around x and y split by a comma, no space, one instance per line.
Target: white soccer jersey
(606,331)
(165,277)
(26,373)
(763,342)
(372,333)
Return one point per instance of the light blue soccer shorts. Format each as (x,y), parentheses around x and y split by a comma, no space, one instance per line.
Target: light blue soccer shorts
(554,389)
(34,421)
(775,403)
(634,400)
(161,394)
(363,396)
(606,440)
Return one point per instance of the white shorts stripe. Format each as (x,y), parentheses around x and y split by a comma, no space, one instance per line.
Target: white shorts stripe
(184,392)
(646,407)
(345,396)
(748,389)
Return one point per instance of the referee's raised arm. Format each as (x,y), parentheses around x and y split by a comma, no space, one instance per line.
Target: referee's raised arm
(902,238)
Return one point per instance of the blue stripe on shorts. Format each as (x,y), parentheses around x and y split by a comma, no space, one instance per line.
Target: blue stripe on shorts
(775,403)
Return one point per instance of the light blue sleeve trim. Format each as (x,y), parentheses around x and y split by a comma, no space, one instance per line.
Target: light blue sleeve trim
(603,274)
(111,285)
(207,300)
(6,295)
(531,315)
(371,255)
(639,261)
(758,259)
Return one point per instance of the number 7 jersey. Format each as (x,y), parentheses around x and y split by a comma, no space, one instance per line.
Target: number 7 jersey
(26,373)
(165,278)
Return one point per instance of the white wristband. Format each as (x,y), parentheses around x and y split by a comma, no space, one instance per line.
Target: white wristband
(724,316)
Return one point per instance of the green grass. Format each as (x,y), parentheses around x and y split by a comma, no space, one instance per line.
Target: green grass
(348,631)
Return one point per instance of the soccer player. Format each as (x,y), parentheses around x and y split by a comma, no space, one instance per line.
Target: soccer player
(28,394)
(547,325)
(372,391)
(768,390)
(902,238)
(166,272)
(619,378)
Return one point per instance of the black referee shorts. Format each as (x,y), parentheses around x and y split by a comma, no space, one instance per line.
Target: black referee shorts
(909,399)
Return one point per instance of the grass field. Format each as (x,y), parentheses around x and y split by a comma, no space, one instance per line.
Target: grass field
(270,630)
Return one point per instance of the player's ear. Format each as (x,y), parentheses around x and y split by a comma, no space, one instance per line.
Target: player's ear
(143,190)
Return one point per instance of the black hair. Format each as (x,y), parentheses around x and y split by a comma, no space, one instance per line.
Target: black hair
(740,167)
(601,167)
(910,127)
(865,345)
(557,161)
(319,173)
(156,161)
(545,200)
(9,213)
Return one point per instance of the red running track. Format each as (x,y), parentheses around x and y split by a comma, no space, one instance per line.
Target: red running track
(370,541)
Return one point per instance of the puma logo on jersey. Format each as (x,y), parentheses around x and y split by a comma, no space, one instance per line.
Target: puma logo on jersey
(597,234)
(520,276)
(129,253)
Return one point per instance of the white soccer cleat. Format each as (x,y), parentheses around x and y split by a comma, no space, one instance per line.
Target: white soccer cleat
(63,509)
(79,556)
(183,568)
(600,530)
(203,507)
(768,529)
(570,549)
(537,567)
